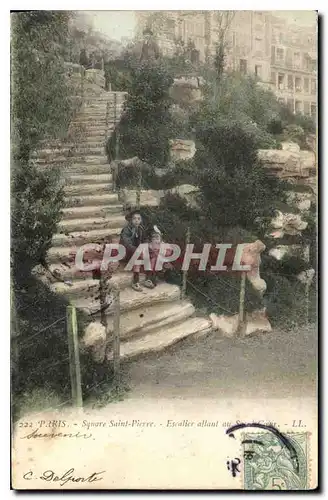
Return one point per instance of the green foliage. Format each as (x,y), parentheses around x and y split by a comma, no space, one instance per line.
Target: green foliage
(235,186)
(37,202)
(41,109)
(240,98)
(120,80)
(145,128)
(41,105)
(182,172)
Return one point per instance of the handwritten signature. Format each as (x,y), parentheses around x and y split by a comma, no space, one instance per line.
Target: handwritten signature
(51,476)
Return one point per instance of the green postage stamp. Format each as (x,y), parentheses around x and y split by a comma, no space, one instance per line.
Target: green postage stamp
(270,465)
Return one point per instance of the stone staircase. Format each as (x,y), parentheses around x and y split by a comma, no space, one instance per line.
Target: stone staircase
(150,320)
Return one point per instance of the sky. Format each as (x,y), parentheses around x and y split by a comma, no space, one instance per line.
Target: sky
(117,24)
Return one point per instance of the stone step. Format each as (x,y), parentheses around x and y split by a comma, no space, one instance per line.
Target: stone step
(91,142)
(91,200)
(101,99)
(91,223)
(93,134)
(87,125)
(95,119)
(91,211)
(70,151)
(163,337)
(87,168)
(79,238)
(69,272)
(62,255)
(78,142)
(80,189)
(102,109)
(146,319)
(89,288)
(68,160)
(89,179)
(99,118)
(130,299)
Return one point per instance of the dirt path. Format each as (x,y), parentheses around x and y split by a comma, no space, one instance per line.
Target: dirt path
(276,365)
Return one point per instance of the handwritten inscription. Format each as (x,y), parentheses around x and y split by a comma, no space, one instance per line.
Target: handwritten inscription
(37,434)
(67,477)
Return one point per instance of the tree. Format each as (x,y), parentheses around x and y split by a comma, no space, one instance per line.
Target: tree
(239,98)
(145,128)
(220,27)
(41,109)
(236,189)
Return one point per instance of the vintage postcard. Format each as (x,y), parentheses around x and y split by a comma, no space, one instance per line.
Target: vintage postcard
(164,250)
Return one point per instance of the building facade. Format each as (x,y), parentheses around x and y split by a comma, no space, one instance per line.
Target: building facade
(283,56)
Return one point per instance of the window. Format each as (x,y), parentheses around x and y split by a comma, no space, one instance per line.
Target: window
(258,70)
(273,54)
(306,85)
(170,26)
(313,109)
(306,105)
(281,81)
(290,82)
(297,60)
(313,87)
(273,78)
(280,55)
(194,56)
(298,84)
(290,104)
(289,58)
(243,66)
(298,107)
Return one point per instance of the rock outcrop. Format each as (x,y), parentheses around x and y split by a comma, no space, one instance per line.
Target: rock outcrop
(290,162)
(228,326)
(187,91)
(182,149)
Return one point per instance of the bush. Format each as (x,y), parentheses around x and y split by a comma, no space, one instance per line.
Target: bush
(36,210)
(235,186)
(145,128)
(41,108)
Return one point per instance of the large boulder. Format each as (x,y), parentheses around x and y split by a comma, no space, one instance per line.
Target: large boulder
(182,149)
(255,322)
(302,201)
(290,146)
(306,277)
(287,223)
(186,91)
(281,251)
(289,162)
(188,192)
(94,341)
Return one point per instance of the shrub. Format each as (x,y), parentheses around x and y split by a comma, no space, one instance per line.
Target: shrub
(41,108)
(145,128)
(235,186)
(36,210)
